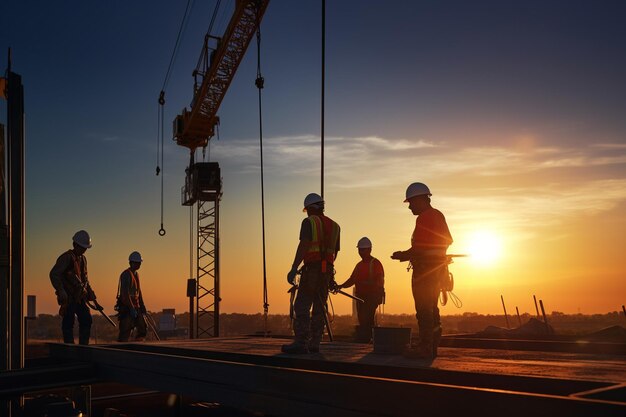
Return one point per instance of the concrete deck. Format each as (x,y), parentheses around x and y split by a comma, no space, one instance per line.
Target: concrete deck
(347,379)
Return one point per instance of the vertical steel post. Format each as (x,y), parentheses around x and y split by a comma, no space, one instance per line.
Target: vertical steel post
(519,319)
(536,308)
(15,151)
(545,319)
(191,293)
(505,315)
(5,308)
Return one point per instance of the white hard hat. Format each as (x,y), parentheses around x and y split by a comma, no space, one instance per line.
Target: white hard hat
(82,239)
(415,189)
(312,199)
(364,243)
(135,257)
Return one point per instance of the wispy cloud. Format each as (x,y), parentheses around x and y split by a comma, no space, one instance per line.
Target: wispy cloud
(529,187)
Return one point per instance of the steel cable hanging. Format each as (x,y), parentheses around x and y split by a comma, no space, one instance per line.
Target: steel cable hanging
(323,88)
(161,101)
(259,82)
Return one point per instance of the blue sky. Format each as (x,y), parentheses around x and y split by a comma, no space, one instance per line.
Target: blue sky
(511,111)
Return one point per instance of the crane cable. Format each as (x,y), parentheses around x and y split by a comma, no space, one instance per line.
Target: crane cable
(259,82)
(159,168)
(323,97)
(161,109)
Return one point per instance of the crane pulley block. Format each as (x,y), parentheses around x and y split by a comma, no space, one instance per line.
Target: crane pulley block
(203,182)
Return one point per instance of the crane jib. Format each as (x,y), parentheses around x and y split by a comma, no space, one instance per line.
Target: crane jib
(195,127)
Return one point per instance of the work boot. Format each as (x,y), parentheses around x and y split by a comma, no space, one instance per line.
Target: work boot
(68,336)
(83,335)
(363,334)
(295,348)
(424,352)
(314,347)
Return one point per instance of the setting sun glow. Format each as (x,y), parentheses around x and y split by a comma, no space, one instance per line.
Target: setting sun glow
(485,247)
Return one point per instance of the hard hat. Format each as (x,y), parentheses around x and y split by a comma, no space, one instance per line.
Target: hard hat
(415,189)
(135,257)
(312,199)
(364,243)
(82,239)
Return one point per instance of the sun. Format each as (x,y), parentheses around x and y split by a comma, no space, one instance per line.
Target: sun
(485,247)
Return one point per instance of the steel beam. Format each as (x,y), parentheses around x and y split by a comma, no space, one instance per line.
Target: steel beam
(287,392)
(15,188)
(604,348)
(17,382)
(522,383)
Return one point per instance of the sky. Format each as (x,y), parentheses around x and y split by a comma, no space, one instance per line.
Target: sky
(511,112)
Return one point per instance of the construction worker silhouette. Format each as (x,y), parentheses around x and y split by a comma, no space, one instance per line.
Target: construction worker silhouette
(70,281)
(427,255)
(318,247)
(368,279)
(130,307)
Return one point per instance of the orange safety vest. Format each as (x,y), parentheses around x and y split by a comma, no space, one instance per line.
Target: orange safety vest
(75,277)
(133,288)
(364,279)
(324,236)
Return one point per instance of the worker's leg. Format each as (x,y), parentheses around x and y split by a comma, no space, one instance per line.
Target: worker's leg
(67,325)
(366,312)
(437,330)
(302,309)
(84,323)
(126,326)
(142,327)
(319,310)
(425,296)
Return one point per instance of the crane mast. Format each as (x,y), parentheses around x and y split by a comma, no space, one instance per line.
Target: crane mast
(195,127)
(203,183)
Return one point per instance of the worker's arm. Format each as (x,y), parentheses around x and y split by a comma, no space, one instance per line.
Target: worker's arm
(124,290)
(91,295)
(142,306)
(350,281)
(303,247)
(56,278)
(402,255)
(125,294)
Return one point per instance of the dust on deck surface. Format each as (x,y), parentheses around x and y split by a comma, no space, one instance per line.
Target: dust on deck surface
(590,367)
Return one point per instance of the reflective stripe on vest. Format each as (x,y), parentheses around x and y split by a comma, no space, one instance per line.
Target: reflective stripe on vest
(133,288)
(324,235)
(369,281)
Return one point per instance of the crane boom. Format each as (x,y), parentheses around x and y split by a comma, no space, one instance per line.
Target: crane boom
(195,127)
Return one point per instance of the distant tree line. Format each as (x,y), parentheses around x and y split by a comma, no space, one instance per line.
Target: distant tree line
(48,327)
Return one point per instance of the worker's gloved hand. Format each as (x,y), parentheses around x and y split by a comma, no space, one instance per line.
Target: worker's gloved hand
(143,309)
(291,276)
(61,297)
(98,306)
(133,313)
(399,255)
(333,286)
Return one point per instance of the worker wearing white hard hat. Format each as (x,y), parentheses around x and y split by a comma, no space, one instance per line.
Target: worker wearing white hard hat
(368,278)
(427,255)
(317,249)
(72,288)
(130,306)
(313,200)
